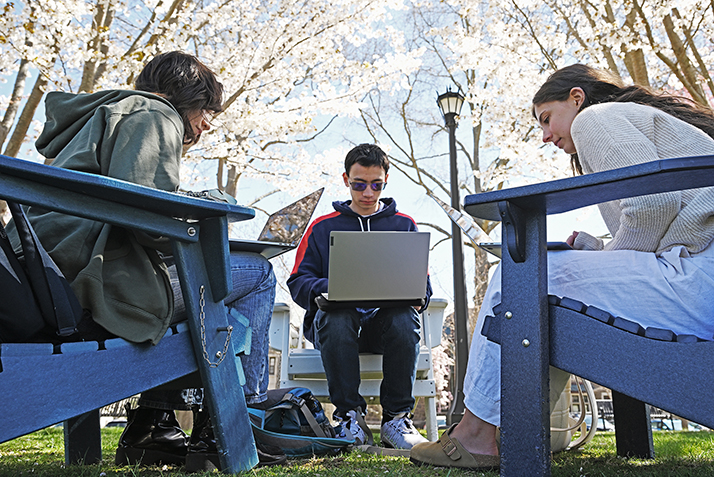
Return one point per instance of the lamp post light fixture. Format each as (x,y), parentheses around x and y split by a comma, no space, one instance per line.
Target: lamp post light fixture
(450,104)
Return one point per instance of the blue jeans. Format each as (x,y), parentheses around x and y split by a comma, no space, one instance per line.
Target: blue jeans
(253,296)
(392,332)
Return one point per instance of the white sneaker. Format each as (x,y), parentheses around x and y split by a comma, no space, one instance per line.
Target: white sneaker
(355,427)
(400,433)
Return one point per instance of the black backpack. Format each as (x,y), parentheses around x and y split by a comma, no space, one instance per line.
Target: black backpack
(38,303)
(295,421)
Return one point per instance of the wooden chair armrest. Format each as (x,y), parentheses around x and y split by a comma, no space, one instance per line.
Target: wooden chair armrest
(563,195)
(113,201)
(104,199)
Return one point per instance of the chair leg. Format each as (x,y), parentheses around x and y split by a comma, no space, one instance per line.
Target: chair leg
(82,439)
(213,340)
(633,433)
(432,429)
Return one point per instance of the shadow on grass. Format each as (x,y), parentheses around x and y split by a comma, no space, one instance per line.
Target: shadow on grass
(677,454)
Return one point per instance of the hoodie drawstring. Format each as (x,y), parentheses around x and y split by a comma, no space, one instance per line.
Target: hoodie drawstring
(361,225)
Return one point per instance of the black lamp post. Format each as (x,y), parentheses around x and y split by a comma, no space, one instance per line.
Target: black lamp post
(450,105)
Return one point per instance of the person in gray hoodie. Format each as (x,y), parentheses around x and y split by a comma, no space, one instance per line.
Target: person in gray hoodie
(123,278)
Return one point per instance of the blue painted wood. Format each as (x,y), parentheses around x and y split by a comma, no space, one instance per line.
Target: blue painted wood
(525,411)
(71,203)
(220,369)
(43,389)
(679,382)
(25,349)
(679,366)
(80,347)
(531,204)
(43,385)
(563,195)
(127,193)
(216,255)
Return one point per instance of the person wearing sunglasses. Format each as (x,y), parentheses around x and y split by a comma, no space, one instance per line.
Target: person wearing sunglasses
(342,334)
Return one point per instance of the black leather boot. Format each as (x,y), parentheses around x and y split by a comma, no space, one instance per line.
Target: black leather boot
(151,437)
(203,451)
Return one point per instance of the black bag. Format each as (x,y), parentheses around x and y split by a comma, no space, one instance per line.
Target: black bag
(38,303)
(296,422)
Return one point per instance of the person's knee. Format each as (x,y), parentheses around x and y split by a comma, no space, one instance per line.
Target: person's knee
(266,267)
(250,260)
(336,328)
(402,321)
(270,274)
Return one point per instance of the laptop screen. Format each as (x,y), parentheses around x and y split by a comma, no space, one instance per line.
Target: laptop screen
(289,223)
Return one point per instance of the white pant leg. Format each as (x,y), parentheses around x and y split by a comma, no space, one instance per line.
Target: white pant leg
(670,292)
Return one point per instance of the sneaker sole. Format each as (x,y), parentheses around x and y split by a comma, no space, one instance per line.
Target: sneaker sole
(387,444)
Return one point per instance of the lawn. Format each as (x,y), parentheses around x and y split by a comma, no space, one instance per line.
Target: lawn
(679,454)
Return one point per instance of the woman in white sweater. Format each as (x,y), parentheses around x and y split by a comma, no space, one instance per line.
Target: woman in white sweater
(660,251)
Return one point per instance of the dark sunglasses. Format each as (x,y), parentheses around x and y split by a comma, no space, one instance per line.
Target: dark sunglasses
(361,186)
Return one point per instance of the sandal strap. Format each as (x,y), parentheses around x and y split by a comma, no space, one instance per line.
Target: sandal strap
(450,447)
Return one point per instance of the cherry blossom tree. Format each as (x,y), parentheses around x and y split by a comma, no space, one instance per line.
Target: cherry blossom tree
(282,64)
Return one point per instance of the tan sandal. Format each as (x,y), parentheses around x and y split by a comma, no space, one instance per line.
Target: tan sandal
(448,452)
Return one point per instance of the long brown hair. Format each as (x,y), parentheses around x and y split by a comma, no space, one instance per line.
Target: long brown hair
(189,85)
(603,87)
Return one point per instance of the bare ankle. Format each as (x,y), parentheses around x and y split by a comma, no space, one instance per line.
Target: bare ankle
(476,435)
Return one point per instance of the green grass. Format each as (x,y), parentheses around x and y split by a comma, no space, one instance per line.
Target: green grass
(680,454)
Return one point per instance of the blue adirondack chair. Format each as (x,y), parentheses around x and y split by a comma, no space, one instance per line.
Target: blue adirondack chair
(43,385)
(535,330)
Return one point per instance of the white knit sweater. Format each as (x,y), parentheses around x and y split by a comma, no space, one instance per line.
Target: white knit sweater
(612,135)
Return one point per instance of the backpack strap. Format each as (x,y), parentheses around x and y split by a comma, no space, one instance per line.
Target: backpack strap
(58,304)
(300,403)
(20,317)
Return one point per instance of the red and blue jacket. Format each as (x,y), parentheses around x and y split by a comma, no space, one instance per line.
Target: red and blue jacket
(309,276)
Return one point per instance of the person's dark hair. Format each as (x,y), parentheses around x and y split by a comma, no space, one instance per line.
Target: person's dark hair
(189,85)
(604,87)
(366,155)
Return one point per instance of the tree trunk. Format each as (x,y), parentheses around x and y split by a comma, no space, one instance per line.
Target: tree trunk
(23,124)
(104,48)
(688,72)
(15,100)
(230,186)
(101,22)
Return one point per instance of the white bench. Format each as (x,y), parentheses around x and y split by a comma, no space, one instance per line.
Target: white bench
(302,366)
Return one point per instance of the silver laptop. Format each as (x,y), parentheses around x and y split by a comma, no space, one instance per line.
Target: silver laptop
(283,229)
(378,266)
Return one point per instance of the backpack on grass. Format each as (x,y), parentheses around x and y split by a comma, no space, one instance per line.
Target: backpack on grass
(39,304)
(296,422)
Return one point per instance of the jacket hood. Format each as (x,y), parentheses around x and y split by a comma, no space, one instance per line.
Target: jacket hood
(343,207)
(67,113)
